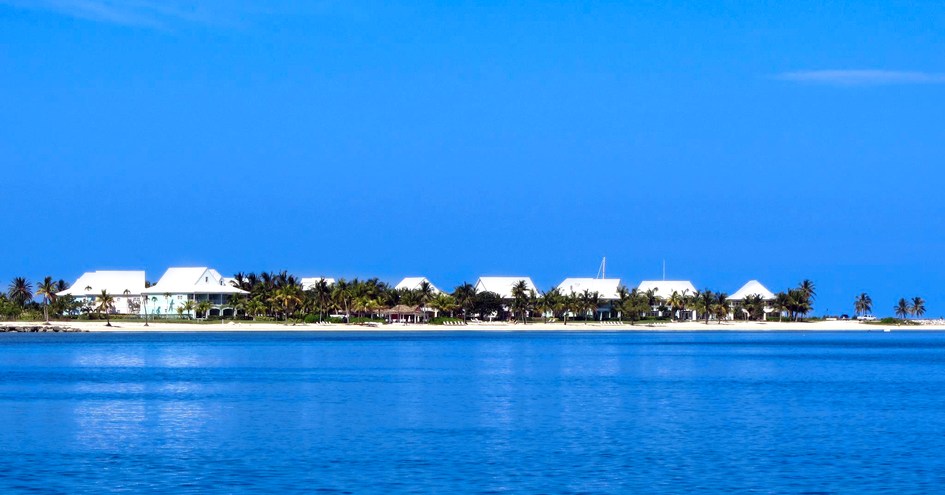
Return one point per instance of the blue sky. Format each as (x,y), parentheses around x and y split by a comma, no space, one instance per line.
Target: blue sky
(735,140)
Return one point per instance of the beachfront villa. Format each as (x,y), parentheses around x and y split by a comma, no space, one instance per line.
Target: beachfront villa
(606,289)
(414,283)
(179,285)
(503,285)
(125,287)
(663,290)
(753,288)
(311,282)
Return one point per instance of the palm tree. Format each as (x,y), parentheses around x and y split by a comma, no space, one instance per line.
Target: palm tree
(591,302)
(255,307)
(288,298)
(548,301)
(425,293)
(704,302)
(902,308)
(781,303)
(341,296)
(444,302)
(47,290)
(720,306)
(807,287)
(204,307)
(520,299)
(798,302)
(754,305)
(465,296)
(918,306)
(676,303)
(105,302)
(237,302)
(144,303)
(863,304)
(189,306)
(20,291)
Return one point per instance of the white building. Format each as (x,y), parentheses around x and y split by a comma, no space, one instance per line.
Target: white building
(753,288)
(125,287)
(311,282)
(606,289)
(413,283)
(664,289)
(179,285)
(503,285)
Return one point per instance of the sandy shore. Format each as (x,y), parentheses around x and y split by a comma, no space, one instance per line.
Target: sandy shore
(828,326)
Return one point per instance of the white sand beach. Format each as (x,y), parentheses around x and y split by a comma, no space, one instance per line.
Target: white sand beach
(750,326)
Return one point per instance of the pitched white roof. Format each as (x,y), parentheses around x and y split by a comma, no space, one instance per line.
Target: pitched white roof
(665,288)
(113,282)
(192,280)
(309,282)
(752,288)
(503,285)
(605,287)
(413,283)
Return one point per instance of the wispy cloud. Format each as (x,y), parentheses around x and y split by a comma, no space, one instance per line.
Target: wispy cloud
(868,77)
(144,13)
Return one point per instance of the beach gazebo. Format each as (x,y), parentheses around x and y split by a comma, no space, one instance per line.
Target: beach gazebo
(402,313)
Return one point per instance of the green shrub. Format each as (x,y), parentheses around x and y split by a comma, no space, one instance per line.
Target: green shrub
(31,315)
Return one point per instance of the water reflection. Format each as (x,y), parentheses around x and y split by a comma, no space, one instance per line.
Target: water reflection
(112,359)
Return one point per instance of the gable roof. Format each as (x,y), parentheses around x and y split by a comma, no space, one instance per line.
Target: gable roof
(413,283)
(665,288)
(752,288)
(310,282)
(503,285)
(605,287)
(192,280)
(114,282)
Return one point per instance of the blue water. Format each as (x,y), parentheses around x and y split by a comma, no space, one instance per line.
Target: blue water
(473,413)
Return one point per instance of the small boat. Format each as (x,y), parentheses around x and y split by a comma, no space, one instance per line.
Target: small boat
(887,329)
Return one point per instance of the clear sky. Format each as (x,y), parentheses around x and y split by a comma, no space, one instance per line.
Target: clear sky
(736,140)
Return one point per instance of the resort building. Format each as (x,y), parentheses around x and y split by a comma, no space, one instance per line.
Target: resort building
(125,287)
(178,285)
(311,282)
(606,289)
(753,288)
(413,283)
(503,285)
(663,290)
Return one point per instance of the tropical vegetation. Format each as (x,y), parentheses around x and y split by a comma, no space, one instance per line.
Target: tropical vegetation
(280,296)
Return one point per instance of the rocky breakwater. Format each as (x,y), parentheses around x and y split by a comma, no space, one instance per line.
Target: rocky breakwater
(37,328)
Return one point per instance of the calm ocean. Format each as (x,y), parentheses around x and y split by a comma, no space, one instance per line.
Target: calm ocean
(473,413)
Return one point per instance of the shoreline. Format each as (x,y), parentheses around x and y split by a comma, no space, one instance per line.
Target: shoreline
(688,326)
